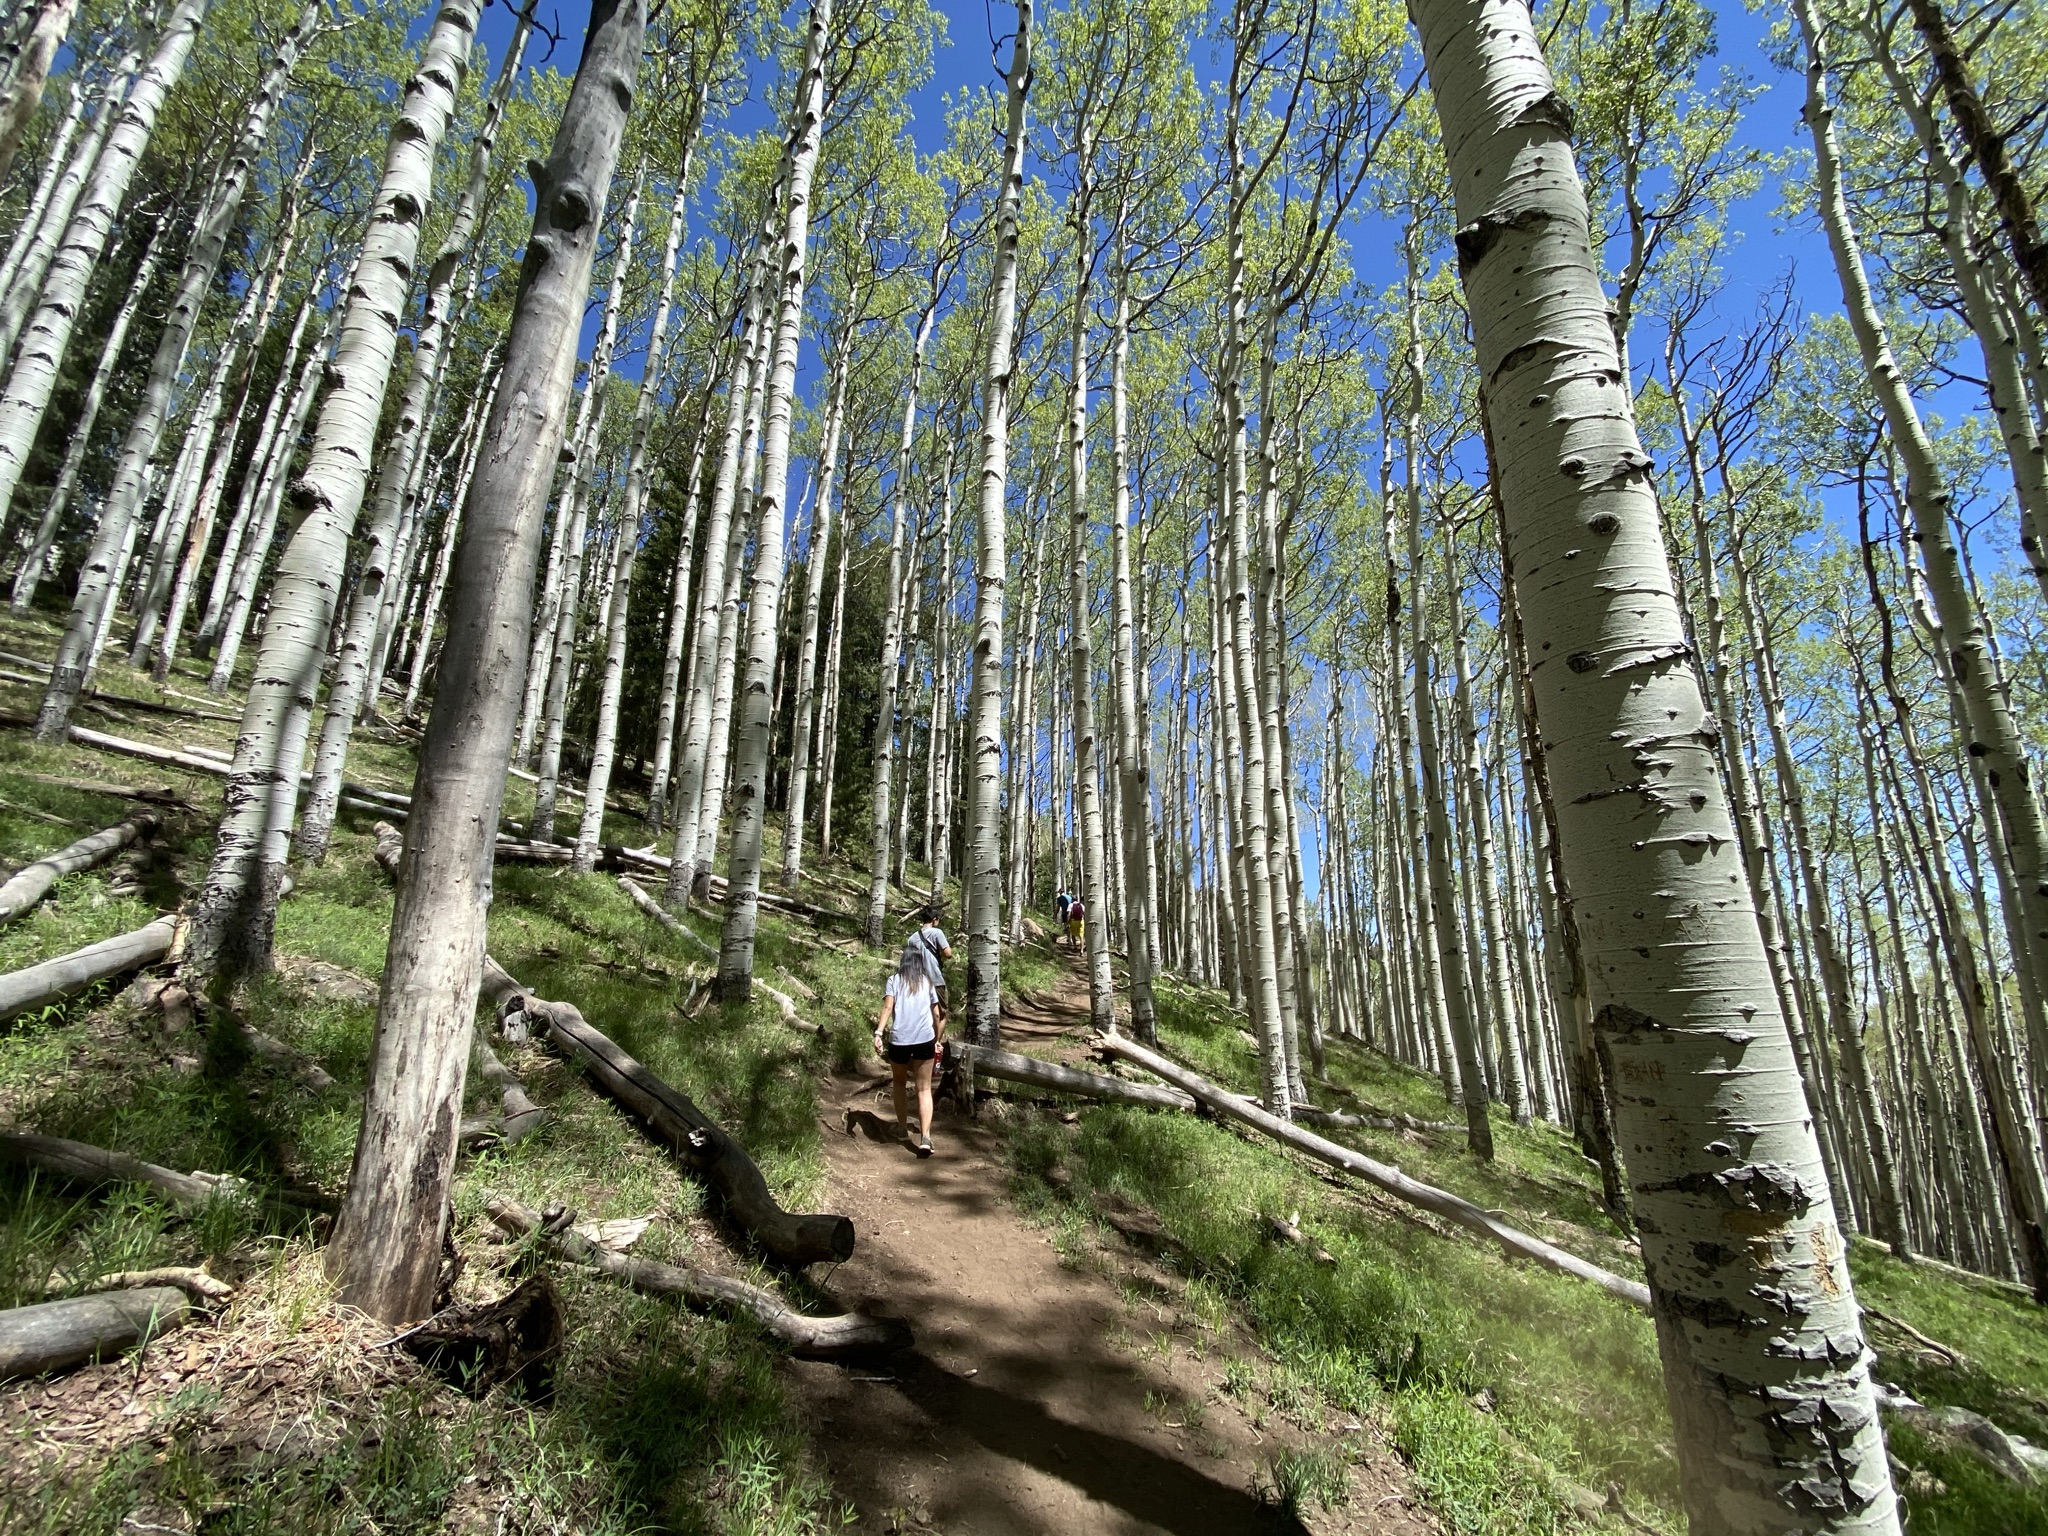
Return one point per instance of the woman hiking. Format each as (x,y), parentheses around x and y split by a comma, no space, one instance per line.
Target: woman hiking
(907,1036)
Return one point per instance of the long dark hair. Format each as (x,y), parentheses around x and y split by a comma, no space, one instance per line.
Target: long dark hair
(913,967)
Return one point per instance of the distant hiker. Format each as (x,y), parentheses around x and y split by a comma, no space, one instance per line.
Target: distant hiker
(907,1036)
(1060,903)
(1077,917)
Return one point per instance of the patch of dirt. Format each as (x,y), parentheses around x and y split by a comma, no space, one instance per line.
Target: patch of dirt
(1039,1399)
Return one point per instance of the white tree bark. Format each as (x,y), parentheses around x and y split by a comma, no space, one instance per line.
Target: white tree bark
(239,595)
(612,689)
(1134,782)
(801,753)
(400,466)
(387,1244)
(678,624)
(35,559)
(232,923)
(1766,1370)
(890,675)
(25,91)
(748,377)
(764,598)
(984,875)
(62,140)
(43,229)
(202,259)
(78,251)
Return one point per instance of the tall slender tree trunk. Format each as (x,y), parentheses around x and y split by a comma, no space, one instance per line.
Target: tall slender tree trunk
(891,671)
(678,622)
(1024,749)
(25,92)
(984,874)
(612,688)
(472,439)
(35,559)
(1134,781)
(1766,1371)
(63,139)
(387,1244)
(828,715)
(232,923)
(77,253)
(97,587)
(800,748)
(399,468)
(748,376)
(764,598)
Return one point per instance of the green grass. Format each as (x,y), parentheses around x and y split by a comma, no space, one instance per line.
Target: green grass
(1507,1388)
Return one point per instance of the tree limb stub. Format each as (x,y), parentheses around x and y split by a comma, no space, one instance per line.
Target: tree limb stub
(30,884)
(705,1147)
(58,1335)
(1383,1176)
(811,1338)
(37,986)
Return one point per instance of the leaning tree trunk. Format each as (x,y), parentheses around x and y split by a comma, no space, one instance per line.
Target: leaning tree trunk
(1766,1371)
(56,162)
(78,251)
(387,1243)
(984,874)
(231,925)
(32,569)
(25,92)
(612,689)
(764,597)
(2007,805)
(404,448)
(29,262)
(96,587)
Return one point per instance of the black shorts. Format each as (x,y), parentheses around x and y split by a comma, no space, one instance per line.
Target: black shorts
(920,1050)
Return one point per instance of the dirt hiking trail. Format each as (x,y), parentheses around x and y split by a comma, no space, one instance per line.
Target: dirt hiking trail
(1038,1400)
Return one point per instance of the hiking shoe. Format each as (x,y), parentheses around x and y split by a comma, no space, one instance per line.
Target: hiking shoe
(924,1146)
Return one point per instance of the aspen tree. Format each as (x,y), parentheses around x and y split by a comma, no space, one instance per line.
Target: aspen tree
(97,588)
(232,921)
(764,599)
(471,441)
(401,460)
(60,295)
(25,91)
(983,883)
(670,691)
(35,559)
(387,1244)
(612,688)
(56,160)
(1766,1371)
(2006,799)
(801,755)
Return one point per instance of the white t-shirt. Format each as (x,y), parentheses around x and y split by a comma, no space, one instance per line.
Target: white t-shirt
(911,1023)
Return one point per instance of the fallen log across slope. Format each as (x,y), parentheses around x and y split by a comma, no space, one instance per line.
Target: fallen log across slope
(704,1146)
(1383,1176)
(37,986)
(83,1163)
(57,1335)
(32,882)
(812,1338)
(1047,1074)
(782,1000)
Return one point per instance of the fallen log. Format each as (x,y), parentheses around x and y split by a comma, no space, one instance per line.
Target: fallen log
(31,884)
(166,796)
(662,915)
(704,1146)
(57,1335)
(1287,1229)
(148,753)
(84,1163)
(98,696)
(1372,1120)
(36,986)
(810,1338)
(35,814)
(1046,1074)
(1383,1176)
